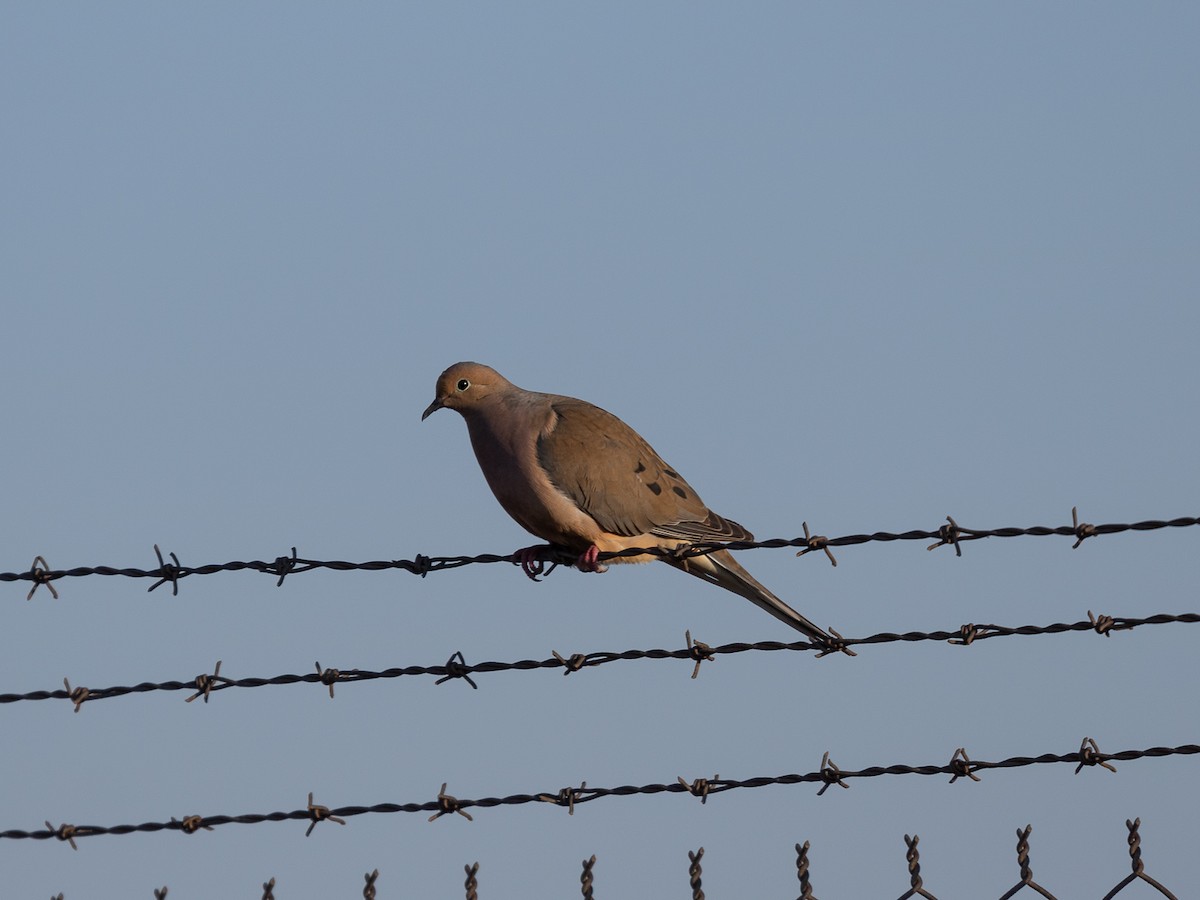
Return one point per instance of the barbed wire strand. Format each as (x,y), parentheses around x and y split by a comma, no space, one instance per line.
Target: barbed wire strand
(950,535)
(456,667)
(1089,755)
(916,887)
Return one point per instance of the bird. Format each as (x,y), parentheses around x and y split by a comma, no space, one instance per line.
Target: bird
(577,476)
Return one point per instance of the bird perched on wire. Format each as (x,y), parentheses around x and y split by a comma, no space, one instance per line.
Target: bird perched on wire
(577,476)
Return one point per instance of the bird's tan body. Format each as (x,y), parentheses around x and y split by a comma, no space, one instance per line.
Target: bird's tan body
(535,503)
(577,476)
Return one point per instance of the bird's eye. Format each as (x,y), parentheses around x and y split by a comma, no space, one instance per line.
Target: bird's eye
(463,384)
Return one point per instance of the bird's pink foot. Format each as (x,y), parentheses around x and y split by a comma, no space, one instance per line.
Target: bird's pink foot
(532,560)
(589,560)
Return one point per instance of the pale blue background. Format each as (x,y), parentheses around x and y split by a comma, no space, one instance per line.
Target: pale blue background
(864,265)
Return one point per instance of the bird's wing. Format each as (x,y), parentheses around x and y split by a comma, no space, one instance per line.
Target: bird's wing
(614,475)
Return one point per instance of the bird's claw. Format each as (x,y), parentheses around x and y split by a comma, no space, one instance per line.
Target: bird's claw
(532,561)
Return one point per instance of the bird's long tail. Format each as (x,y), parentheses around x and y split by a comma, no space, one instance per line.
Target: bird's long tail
(720,568)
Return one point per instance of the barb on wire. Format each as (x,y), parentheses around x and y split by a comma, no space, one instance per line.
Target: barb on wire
(171,572)
(319,813)
(456,667)
(961,764)
(951,534)
(39,574)
(205,683)
(446,804)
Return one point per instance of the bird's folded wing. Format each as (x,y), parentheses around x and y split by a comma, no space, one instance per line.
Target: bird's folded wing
(613,475)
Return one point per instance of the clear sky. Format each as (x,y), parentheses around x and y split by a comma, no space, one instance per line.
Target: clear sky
(861,265)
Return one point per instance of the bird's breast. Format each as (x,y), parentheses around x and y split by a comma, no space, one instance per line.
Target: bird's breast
(523,489)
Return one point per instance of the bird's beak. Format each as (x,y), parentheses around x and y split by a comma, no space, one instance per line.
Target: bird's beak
(432,408)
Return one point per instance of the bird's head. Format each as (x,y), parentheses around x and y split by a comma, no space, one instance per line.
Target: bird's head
(463,386)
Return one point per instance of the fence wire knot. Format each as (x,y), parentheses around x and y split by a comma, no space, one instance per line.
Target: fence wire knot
(283,566)
(472,884)
(573,664)
(421,565)
(369,887)
(1083,530)
(694,873)
(802,871)
(949,534)
(699,651)
(961,764)
(206,683)
(1138,872)
(1023,854)
(39,574)
(1135,845)
(967,633)
(448,805)
(168,571)
(816,542)
(565,797)
(835,644)
(913,855)
(830,774)
(586,877)
(268,890)
(456,667)
(319,813)
(160,894)
(1090,755)
(329,677)
(699,787)
(64,832)
(78,696)
(1102,624)
(191,824)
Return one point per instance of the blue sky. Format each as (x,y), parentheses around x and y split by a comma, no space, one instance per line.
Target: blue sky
(864,266)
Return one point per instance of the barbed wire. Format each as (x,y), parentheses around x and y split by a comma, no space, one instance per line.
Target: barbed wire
(803,875)
(829,774)
(456,667)
(952,534)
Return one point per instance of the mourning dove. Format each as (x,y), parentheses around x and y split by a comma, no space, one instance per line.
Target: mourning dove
(577,476)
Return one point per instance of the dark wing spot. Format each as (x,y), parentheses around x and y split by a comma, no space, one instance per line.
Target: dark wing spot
(680,491)
(671,474)
(640,469)
(655,487)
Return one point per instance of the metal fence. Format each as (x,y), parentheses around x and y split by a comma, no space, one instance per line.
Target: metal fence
(828,774)
(804,874)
